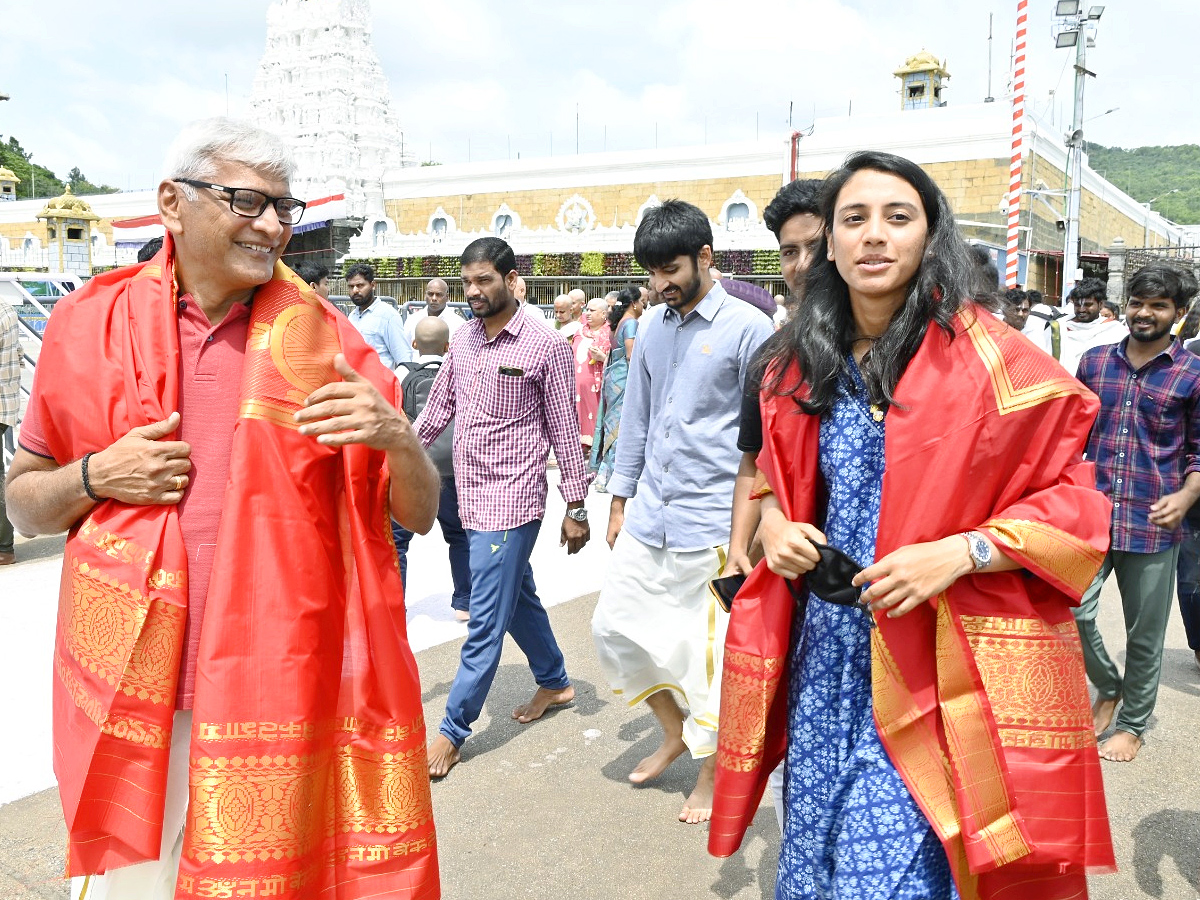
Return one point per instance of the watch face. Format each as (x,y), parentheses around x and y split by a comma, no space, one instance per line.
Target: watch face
(981,553)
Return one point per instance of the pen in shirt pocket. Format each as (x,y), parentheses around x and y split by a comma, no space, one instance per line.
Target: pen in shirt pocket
(512,371)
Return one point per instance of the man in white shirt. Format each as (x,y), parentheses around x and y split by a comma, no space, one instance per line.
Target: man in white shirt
(1088,328)
(437,296)
(379,323)
(533,312)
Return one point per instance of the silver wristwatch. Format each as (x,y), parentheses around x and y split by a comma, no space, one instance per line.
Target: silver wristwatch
(981,550)
(579,514)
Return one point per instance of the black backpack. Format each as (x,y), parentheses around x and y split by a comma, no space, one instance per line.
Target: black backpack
(415,387)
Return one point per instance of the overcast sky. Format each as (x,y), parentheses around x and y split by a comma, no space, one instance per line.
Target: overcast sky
(105,86)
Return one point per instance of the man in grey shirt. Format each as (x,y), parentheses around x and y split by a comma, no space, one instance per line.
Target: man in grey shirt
(657,626)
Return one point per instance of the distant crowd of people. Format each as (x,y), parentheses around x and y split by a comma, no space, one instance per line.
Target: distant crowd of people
(858,539)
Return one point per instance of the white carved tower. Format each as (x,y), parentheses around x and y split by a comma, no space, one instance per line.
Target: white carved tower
(321,88)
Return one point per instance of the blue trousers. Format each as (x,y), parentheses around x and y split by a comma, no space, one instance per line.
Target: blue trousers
(1188,584)
(503,599)
(456,538)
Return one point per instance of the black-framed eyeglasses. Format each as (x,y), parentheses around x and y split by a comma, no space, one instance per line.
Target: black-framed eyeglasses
(252,204)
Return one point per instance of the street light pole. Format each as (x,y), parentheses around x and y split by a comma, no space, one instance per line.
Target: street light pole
(1148,204)
(1077,30)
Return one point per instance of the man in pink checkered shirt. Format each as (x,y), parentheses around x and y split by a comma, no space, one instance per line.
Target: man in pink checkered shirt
(509,387)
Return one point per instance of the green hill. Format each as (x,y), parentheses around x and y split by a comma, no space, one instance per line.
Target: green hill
(36,177)
(1170,174)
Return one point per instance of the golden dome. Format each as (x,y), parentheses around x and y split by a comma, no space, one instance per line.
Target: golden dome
(68,206)
(922,62)
(8,175)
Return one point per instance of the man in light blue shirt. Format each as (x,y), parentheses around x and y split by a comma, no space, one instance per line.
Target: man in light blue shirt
(378,322)
(657,626)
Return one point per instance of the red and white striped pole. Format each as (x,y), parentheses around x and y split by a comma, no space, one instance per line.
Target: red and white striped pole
(1014,171)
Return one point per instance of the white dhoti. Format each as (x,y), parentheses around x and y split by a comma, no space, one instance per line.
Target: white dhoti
(658,626)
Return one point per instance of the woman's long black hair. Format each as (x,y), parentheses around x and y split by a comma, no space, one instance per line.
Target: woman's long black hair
(625,299)
(819,335)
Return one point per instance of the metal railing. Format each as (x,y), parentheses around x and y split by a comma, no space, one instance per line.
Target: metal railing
(31,320)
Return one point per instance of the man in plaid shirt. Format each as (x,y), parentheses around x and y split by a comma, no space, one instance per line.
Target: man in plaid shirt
(1146,447)
(11,360)
(509,385)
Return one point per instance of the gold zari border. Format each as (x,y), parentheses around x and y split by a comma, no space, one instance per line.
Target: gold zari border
(1033,675)
(1010,395)
(1073,561)
(748,684)
(300,882)
(119,634)
(974,756)
(121,727)
(280,807)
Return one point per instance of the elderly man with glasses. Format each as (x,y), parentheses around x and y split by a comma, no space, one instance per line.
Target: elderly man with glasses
(235,704)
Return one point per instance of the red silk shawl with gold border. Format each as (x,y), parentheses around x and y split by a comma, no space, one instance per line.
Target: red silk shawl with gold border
(307,765)
(980,696)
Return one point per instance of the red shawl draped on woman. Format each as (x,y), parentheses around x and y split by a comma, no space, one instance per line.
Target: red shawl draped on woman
(307,764)
(980,696)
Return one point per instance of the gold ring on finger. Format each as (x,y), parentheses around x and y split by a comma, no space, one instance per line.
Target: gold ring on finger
(178,482)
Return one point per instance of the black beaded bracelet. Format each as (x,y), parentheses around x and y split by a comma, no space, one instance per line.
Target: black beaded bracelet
(87,484)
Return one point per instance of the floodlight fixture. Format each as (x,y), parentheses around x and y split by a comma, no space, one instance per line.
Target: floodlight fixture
(1095,12)
(1066,8)
(1065,39)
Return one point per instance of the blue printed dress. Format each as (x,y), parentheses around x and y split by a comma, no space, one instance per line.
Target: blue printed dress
(852,830)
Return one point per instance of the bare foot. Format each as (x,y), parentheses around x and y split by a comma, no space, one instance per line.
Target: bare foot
(656,763)
(1102,713)
(542,700)
(698,807)
(1121,747)
(443,756)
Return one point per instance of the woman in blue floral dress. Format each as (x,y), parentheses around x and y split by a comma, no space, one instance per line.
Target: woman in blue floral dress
(888,285)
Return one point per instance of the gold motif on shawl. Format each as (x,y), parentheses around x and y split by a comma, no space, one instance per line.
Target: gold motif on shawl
(289,354)
(281,807)
(118,633)
(749,683)
(123,728)
(1033,675)
(1019,381)
(1073,561)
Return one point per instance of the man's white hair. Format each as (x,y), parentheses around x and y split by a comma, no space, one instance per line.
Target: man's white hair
(204,145)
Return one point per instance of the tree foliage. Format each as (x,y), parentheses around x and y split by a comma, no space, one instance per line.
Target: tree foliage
(1170,176)
(80,185)
(35,177)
